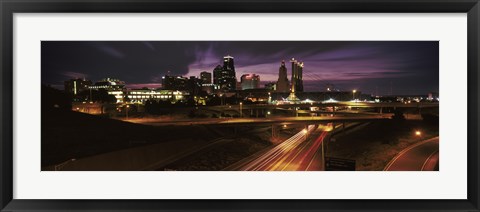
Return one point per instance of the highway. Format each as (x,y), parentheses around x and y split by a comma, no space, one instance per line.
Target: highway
(359,104)
(422,156)
(269,120)
(300,152)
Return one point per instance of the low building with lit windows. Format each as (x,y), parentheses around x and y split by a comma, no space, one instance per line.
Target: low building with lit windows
(140,96)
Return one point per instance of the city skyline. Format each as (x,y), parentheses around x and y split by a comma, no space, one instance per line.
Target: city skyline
(382,68)
(240,106)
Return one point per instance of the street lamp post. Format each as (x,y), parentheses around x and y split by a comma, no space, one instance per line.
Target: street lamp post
(353,94)
(126,111)
(241,113)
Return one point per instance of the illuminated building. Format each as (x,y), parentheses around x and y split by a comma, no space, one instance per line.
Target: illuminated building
(113,87)
(206,77)
(224,76)
(75,86)
(194,85)
(209,88)
(217,73)
(109,84)
(282,83)
(297,75)
(174,83)
(271,86)
(250,81)
(140,96)
(228,63)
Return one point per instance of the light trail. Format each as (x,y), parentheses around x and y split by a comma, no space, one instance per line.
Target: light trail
(310,153)
(277,152)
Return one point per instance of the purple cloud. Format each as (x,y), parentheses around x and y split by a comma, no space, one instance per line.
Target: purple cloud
(74,75)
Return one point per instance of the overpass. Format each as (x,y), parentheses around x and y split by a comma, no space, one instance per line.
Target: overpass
(259,110)
(266,121)
(333,104)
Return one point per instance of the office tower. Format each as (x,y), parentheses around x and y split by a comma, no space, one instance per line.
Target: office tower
(175,83)
(228,63)
(194,85)
(224,77)
(206,77)
(282,83)
(250,81)
(114,87)
(75,86)
(217,75)
(108,84)
(297,75)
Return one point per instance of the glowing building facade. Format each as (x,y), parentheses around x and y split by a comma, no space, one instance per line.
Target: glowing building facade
(282,82)
(224,76)
(250,81)
(297,75)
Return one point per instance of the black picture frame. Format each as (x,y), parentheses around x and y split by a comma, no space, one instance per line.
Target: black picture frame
(9,7)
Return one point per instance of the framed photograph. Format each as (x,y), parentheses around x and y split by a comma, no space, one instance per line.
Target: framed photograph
(266,105)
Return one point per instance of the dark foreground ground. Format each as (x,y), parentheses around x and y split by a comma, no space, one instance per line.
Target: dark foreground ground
(94,139)
(67,135)
(376,143)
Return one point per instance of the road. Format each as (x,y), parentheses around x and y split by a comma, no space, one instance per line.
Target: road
(422,156)
(269,120)
(300,152)
(330,104)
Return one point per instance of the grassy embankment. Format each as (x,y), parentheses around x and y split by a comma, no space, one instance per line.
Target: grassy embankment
(377,143)
(66,135)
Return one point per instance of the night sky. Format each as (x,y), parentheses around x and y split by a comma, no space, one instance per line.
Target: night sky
(376,67)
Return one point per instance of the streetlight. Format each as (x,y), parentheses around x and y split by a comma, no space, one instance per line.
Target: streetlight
(241,114)
(61,165)
(353,94)
(418,133)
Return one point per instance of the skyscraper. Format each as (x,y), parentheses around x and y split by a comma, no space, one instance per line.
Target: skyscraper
(75,86)
(297,75)
(206,77)
(228,63)
(250,81)
(217,75)
(224,77)
(194,85)
(174,83)
(282,82)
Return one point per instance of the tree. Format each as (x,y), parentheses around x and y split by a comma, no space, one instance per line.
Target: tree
(54,98)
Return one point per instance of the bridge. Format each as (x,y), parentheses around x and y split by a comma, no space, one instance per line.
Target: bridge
(334,108)
(266,121)
(335,104)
